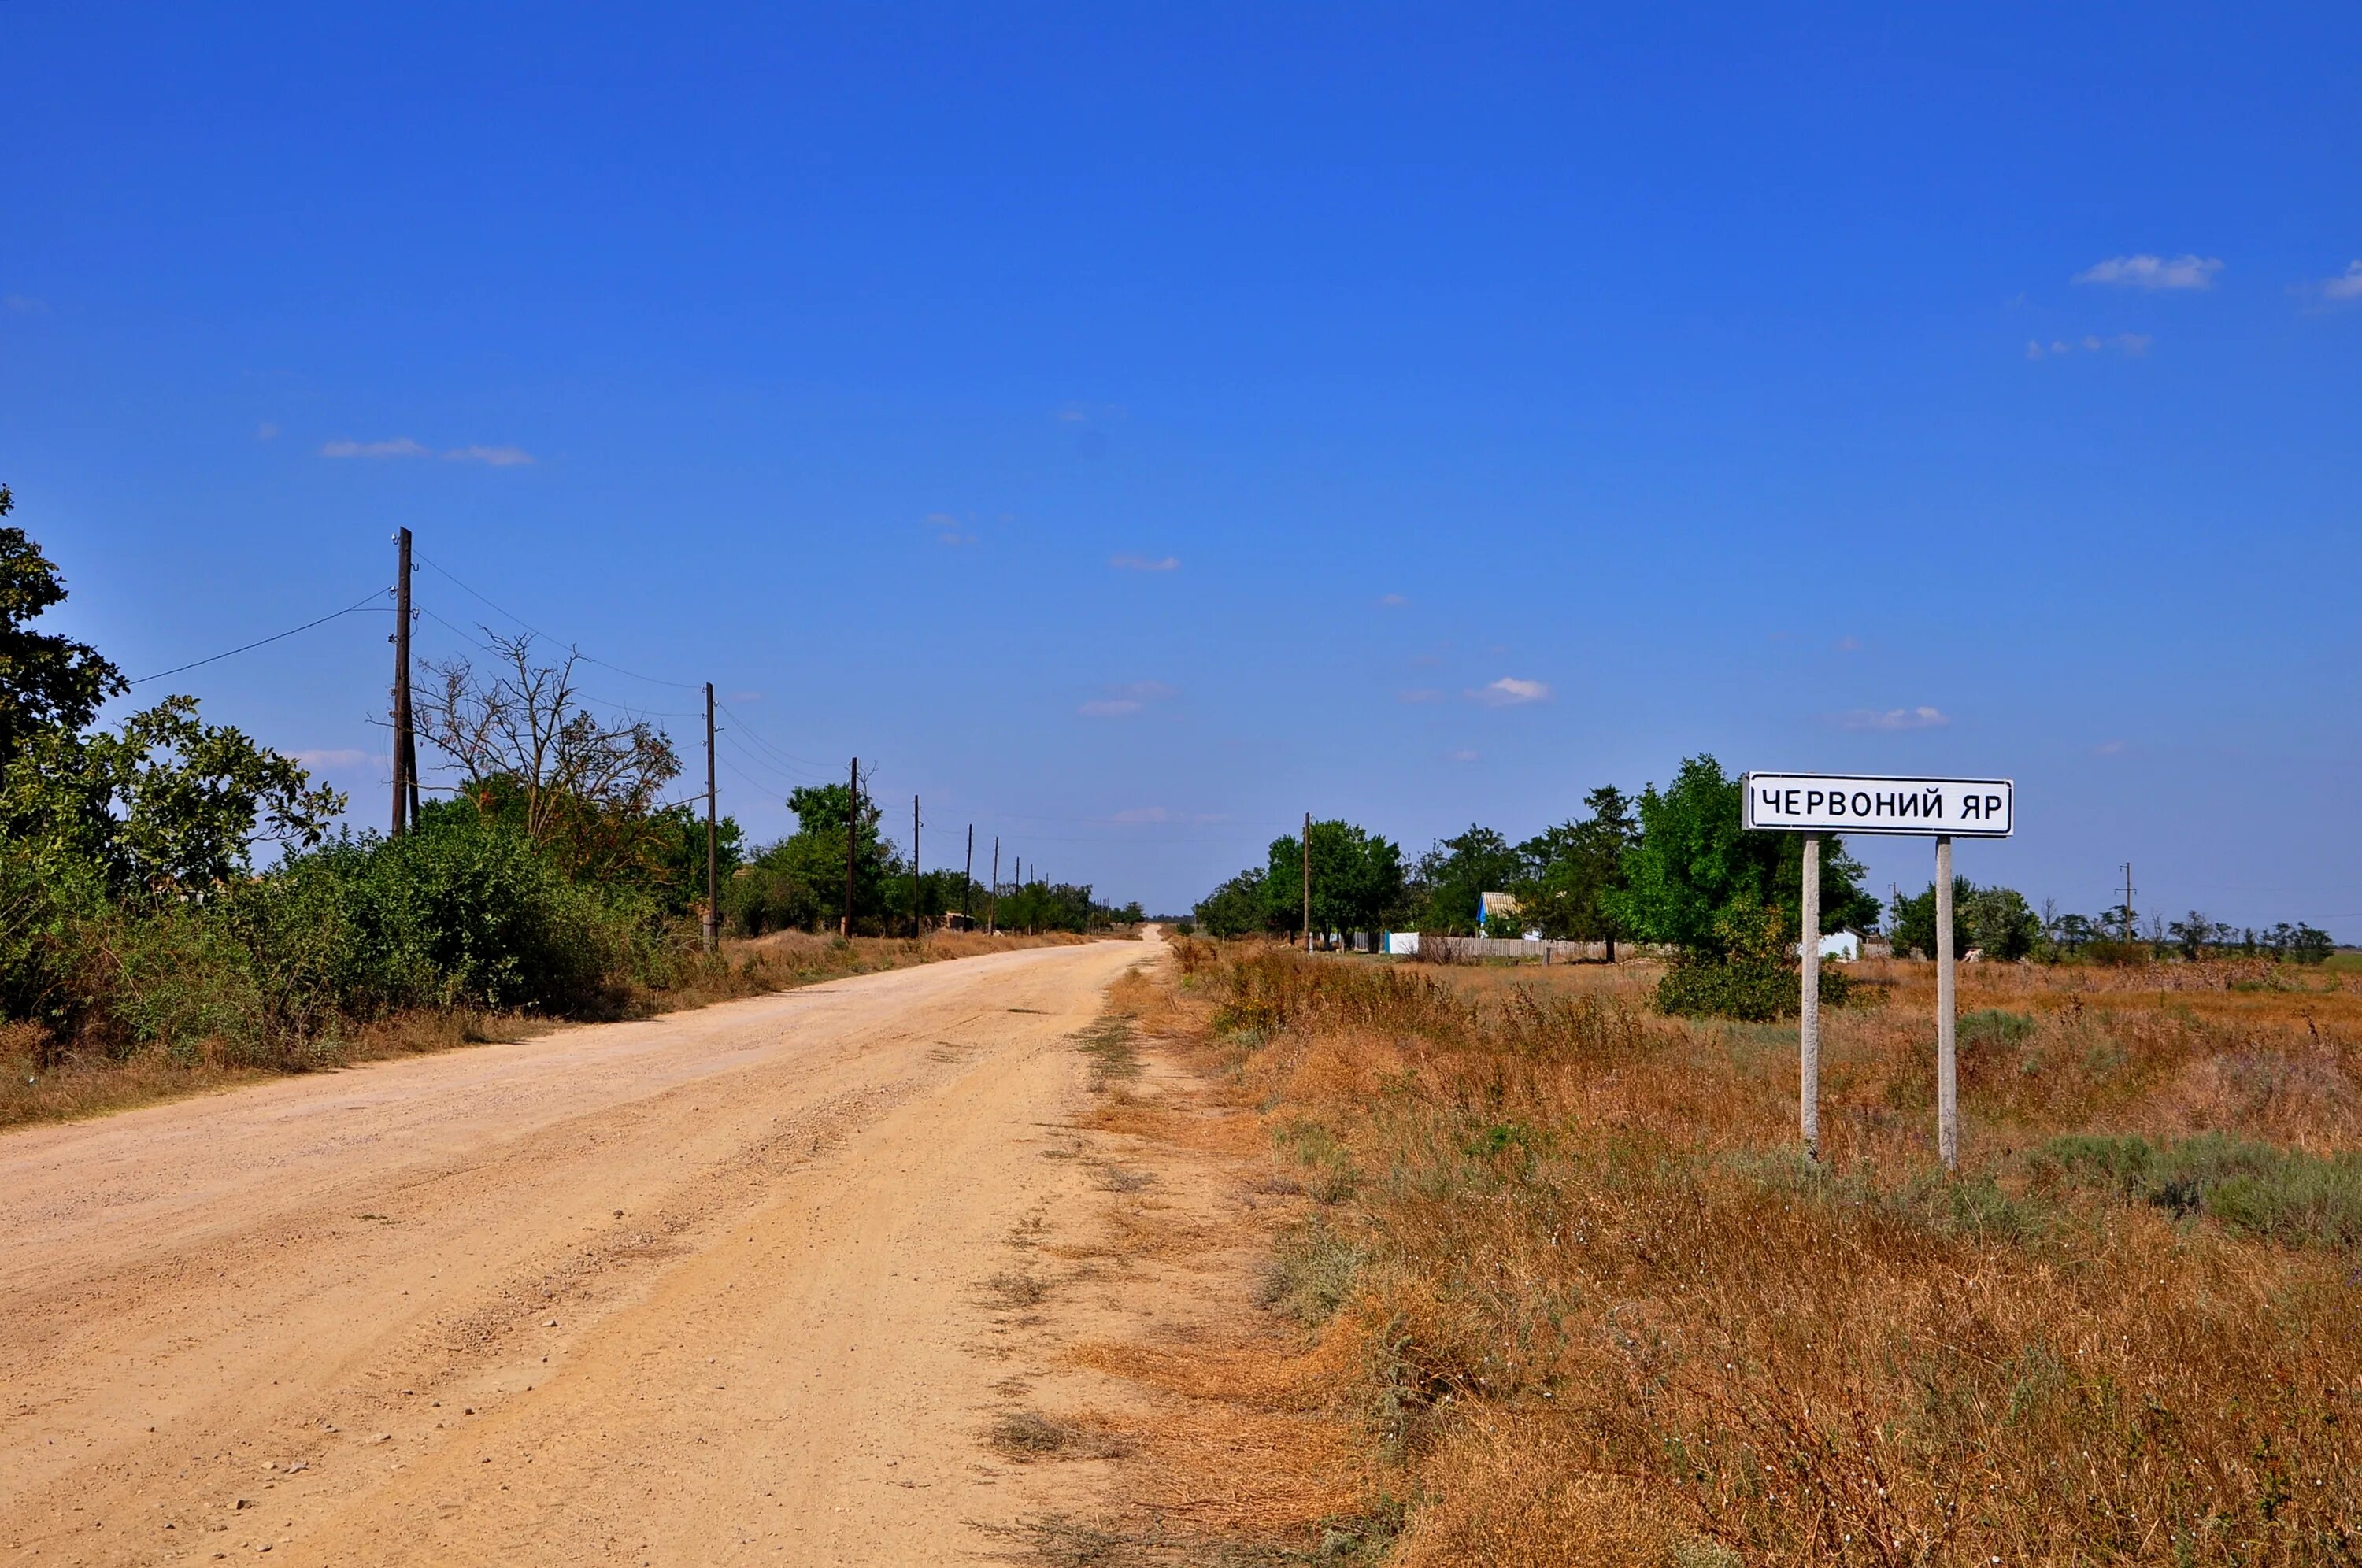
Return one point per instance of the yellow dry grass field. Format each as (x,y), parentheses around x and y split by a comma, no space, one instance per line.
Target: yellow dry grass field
(1550,1277)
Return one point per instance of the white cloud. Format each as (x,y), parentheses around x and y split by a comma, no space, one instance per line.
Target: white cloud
(1919,718)
(1510,691)
(266,431)
(1849,645)
(1464,757)
(400,447)
(1122,701)
(2154,272)
(492,456)
(1391,600)
(2346,285)
(2133,344)
(343,757)
(1142,563)
(1142,814)
(948,529)
(2109,748)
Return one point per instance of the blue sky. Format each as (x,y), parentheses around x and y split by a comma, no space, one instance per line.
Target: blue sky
(1132,426)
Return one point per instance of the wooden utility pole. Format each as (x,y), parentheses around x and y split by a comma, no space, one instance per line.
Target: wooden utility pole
(1307,881)
(1948,1081)
(1808,953)
(992,899)
(2129,902)
(405,747)
(968,875)
(712,855)
(852,824)
(917,919)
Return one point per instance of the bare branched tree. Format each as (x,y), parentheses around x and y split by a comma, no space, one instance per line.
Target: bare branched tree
(524,743)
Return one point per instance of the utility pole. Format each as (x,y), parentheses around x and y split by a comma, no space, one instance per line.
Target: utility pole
(852,823)
(967,876)
(405,747)
(2128,901)
(992,899)
(1307,881)
(917,919)
(712,859)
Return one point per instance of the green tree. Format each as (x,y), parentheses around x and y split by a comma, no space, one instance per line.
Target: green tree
(1238,908)
(1357,880)
(1915,919)
(1574,867)
(47,683)
(1694,863)
(2002,925)
(1454,874)
(799,881)
(169,801)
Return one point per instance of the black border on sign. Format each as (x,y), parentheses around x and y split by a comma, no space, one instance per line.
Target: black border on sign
(1746,808)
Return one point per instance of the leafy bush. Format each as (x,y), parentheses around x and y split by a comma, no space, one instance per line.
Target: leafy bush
(2284,1194)
(1752,991)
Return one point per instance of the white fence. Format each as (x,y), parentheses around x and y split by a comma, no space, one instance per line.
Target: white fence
(1472,949)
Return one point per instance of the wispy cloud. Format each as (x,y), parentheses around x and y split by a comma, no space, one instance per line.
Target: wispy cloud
(1143,563)
(1510,691)
(1418,695)
(1849,645)
(2131,343)
(492,456)
(1122,701)
(23,305)
(2346,285)
(2109,748)
(266,431)
(948,529)
(341,757)
(1391,600)
(403,446)
(1462,755)
(400,447)
(2154,272)
(1919,718)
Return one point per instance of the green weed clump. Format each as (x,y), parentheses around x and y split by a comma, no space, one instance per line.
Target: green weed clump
(2283,1194)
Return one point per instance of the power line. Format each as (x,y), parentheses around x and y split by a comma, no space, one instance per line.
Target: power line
(360,603)
(536,631)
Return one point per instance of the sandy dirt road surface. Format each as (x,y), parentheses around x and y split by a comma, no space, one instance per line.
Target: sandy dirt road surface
(706,1288)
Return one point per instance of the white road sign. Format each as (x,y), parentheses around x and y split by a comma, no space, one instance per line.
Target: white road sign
(1839,802)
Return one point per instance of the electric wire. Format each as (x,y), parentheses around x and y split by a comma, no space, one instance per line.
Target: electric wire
(360,603)
(536,631)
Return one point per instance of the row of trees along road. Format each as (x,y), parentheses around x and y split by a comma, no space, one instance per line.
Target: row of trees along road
(172,884)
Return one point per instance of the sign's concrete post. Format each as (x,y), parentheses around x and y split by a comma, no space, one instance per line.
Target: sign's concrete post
(1948,1083)
(1808,950)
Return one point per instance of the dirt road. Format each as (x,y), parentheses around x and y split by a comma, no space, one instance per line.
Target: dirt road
(707,1289)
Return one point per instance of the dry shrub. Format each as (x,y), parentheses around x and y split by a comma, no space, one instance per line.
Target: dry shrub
(1596,1310)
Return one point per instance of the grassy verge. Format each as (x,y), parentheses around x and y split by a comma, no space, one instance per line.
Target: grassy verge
(1556,1269)
(87,1084)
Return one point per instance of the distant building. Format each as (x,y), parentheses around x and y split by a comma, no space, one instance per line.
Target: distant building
(1491,907)
(1844,947)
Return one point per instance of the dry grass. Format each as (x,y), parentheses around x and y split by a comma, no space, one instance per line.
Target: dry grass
(87,1084)
(1566,1283)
